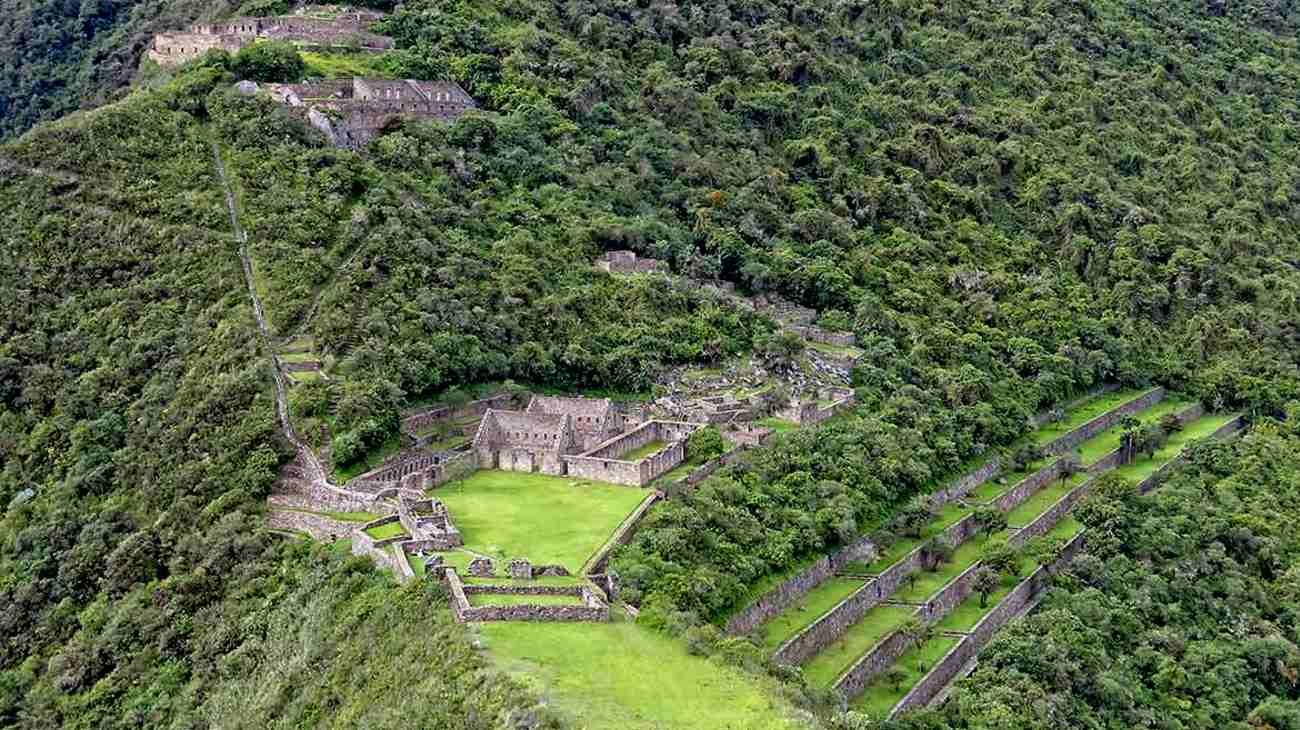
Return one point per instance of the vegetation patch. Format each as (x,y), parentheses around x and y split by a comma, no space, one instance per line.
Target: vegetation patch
(386,530)
(543,518)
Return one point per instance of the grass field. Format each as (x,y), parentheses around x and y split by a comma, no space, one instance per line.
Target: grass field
(343,65)
(642,452)
(383,532)
(1095,448)
(517,599)
(823,669)
(621,675)
(1083,413)
(880,697)
(1201,428)
(813,604)
(543,518)
(1027,510)
(778,425)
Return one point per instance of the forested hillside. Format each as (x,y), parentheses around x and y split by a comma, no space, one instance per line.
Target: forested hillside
(1008,203)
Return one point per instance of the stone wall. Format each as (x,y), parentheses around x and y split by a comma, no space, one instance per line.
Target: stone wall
(474,409)
(319,527)
(598,562)
(1016,601)
(814,333)
(1023,489)
(1068,441)
(880,657)
(603,463)
(604,470)
(592,608)
(772,603)
(962,485)
(345,31)
(1038,420)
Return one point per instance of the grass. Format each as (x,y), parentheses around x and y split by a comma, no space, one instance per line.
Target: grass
(516,599)
(385,531)
(298,357)
(1201,428)
(927,582)
(1065,529)
(543,518)
(968,612)
(541,580)
(344,65)
(778,425)
(350,516)
(823,669)
(879,698)
(761,586)
(1083,413)
(681,470)
(808,609)
(372,459)
(1042,499)
(620,674)
(993,488)
(642,452)
(834,350)
(1095,448)
(305,376)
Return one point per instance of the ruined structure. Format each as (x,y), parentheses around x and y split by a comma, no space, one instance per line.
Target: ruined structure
(606,463)
(594,419)
(522,441)
(348,30)
(627,262)
(353,112)
(818,405)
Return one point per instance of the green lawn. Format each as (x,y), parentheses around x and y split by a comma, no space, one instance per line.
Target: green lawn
(778,425)
(516,599)
(642,452)
(1201,428)
(1066,528)
(383,532)
(1083,413)
(1042,499)
(823,669)
(305,376)
(621,675)
(543,518)
(298,357)
(541,580)
(927,582)
(993,488)
(968,612)
(879,698)
(1095,448)
(343,65)
(813,604)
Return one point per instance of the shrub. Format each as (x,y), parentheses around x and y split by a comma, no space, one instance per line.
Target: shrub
(271,61)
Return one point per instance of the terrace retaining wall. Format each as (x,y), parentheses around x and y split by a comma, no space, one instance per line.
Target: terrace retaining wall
(592,608)
(1026,487)
(598,562)
(1068,441)
(1038,420)
(951,664)
(1154,479)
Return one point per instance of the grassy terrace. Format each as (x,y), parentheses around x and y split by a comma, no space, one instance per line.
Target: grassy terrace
(541,580)
(823,669)
(681,470)
(991,489)
(1083,413)
(927,581)
(383,532)
(344,65)
(880,697)
(372,459)
(653,683)
(543,518)
(515,599)
(642,452)
(1201,428)
(778,425)
(1095,448)
(298,357)
(813,604)
(1042,499)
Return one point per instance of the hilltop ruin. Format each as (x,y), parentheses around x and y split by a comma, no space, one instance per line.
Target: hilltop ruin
(352,112)
(345,30)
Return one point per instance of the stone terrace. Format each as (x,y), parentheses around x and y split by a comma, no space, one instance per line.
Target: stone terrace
(349,29)
(351,113)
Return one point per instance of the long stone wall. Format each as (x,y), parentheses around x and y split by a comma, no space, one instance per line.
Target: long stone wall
(963,485)
(1012,604)
(771,604)
(1023,489)
(319,527)
(1038,420)
(1068,441)
(598,562)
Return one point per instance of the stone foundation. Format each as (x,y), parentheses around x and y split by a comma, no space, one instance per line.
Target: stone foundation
(593,608)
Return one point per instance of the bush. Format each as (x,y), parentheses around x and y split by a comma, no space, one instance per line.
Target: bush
(271,61)
(705,444)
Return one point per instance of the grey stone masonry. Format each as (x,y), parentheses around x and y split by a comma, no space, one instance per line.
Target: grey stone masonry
(590,607)
(600,561)
(1020,597)
(1068,441)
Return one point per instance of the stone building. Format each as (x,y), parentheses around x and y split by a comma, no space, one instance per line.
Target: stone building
(353,112)
(522,441)
(348,29)
(594,419)
(627,262)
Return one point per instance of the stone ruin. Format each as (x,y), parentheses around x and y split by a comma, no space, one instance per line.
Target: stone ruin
(521,569)
(627,262)
(336,29)
(482,568)
(352,112)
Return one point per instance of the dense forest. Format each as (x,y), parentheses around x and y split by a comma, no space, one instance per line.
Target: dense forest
(1008,203)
